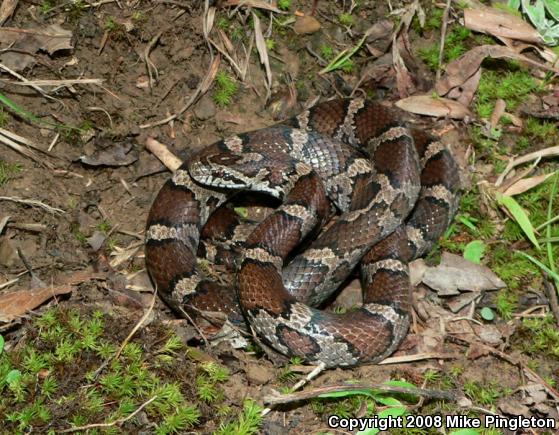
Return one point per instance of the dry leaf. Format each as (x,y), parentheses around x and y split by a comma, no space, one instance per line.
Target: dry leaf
(455,272)
(263,52)
(525,184)
(498,112)
(465,94)
(16,304)
(513,407)
(306,25)
(50,39)
(404,81)
(460,70)
(7,9)
(497,22)
(121,154)
(439,107)
(253,4)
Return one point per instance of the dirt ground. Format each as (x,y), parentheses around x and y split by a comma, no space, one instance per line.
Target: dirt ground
(99,181)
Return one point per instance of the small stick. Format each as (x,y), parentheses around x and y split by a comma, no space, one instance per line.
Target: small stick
(32,203)
(160,151)
(112,423)
(316,371)
(443,34)
(127,339)
(303,395)
(153,74)
(552,297)
(546,152)
(138,325)
(200,90)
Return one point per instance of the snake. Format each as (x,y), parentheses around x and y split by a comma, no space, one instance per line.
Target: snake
(359,188)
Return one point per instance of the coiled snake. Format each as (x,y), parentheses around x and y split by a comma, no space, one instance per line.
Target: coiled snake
(396,190)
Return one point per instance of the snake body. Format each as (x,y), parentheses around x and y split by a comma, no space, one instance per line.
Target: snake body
(396,190)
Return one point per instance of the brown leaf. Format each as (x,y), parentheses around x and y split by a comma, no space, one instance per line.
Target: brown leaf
(498,112)
(404,81)
(525,184)
(259,4)
(512,407)
(465,94)
(121,154)
(477,350)
(263,52)
(306,25)
(50,39)
(7,9)
(16,304)
(439,107)
(460,70)
(455,272)
(497,22)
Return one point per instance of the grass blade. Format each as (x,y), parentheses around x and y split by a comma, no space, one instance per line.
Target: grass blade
(550,257)
(519,216)
(542,266)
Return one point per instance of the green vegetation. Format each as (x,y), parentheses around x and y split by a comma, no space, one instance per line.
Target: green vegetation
(284,5)
(72,10)
(270,44)
(543,336)
(346,19)
(486,393)
(225,89)
(7,171)
(248,422)
(512,87)
(51,380)
(453,49)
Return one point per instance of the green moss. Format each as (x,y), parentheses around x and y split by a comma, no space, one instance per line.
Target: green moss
(484,393)
(53,374)
(225,89)
(346,19)
(544,336)
(453,49)
(7,171)
(512,87)
(284,4)
(434,19)
(506,304)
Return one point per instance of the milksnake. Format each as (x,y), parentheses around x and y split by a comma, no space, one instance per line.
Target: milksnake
(395,189)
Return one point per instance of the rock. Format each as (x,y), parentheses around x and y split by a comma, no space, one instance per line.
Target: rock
(258,375)
(205,109)
(306,25)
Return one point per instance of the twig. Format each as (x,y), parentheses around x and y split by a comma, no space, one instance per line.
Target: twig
(112,423)
(32,203)
(551,293)
(25,81)
(153,74)
(277,399)
(162,153)
(443,35)
(316,371)
(546,152)
(138,325)
(417,357)
(200,90)
(127,339)
(63,82)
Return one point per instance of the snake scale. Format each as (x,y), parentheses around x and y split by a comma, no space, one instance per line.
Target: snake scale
(395,189)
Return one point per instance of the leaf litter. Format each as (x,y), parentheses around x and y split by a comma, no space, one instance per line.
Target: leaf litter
(82,214)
